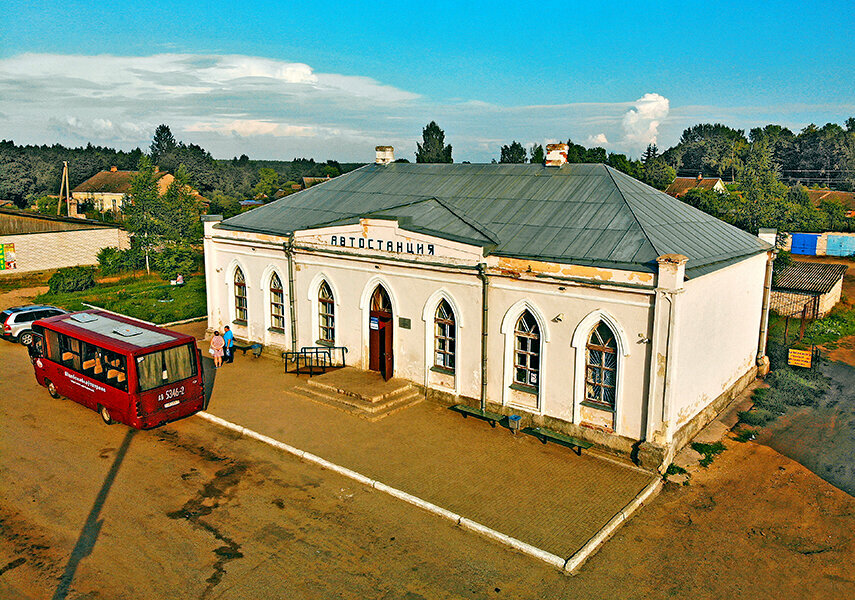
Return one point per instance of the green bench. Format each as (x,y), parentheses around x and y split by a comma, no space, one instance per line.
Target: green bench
(547,434)
(466,410)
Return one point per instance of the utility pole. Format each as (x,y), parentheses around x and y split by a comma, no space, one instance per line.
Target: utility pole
(63,185)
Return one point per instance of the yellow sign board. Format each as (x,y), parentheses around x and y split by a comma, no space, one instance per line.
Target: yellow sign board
(799,358)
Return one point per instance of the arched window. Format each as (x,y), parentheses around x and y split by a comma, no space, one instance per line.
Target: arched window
(277,303)
(444,337)
(326,314)
(527,351)
(601,367)
(240,296)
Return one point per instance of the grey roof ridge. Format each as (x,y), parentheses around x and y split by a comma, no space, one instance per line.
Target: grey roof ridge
(461,214)
(445,204)
(631,210)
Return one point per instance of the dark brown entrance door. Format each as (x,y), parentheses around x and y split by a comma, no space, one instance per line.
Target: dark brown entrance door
(380,347)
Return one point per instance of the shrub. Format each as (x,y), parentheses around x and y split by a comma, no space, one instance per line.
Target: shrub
(112,260)
(72,279)
(172,261)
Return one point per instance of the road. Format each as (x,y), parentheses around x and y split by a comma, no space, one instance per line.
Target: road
(89,511)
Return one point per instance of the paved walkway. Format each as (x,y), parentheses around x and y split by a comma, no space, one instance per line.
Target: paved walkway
(544,495)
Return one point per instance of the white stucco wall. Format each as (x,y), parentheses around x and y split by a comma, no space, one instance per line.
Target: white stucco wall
(53,250)
(718,327)
(566,313)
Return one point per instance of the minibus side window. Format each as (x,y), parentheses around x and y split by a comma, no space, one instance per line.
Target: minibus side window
(117,371)
(70,352)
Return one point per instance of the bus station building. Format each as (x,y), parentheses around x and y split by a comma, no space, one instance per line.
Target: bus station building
(570,294)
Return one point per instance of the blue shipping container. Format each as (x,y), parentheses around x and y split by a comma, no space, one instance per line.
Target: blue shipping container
(804,243)
(841,245)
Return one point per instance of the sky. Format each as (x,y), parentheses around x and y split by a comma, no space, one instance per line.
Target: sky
(278,80)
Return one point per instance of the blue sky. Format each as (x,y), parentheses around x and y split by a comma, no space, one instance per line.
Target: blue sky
(331,80)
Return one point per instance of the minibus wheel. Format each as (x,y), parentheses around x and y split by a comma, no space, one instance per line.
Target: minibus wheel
(105,415)
(51,388)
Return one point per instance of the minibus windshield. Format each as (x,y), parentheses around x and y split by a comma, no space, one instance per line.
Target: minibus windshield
(165,366)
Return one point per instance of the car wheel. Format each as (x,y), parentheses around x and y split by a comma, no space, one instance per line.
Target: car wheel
(25,337)
(51,388)
(105,415)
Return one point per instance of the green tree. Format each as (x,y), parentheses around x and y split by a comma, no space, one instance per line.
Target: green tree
(513,153)
(537,154)
(143,207)
(268,183)
(228,206)
(760,187)
(162,143)
(433,148)
(655,171)
(178,219)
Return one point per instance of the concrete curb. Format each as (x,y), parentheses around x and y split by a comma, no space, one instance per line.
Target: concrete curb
(194,319)
(650,490)
(463,522)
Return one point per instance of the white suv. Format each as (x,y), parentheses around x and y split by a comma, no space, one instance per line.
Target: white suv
(16,322)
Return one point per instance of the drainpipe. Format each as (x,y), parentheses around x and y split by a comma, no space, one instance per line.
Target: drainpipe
(288,247)
(482,275)
(762,361)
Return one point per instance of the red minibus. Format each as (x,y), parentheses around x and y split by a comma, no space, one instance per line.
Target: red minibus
(127,370)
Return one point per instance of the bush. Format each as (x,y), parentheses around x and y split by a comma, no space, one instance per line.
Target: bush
(72,279)
(112,260)
(172,261)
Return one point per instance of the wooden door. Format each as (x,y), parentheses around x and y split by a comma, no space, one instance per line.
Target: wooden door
(380,353)
(387,362)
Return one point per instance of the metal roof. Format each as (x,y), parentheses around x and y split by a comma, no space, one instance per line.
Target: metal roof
(809,277)
(587,214)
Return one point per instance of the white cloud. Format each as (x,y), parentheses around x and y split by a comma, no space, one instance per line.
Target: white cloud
(641,123)
(269,108)
(598,140)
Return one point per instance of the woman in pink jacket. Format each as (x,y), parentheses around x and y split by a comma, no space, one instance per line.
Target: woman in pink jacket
(217,345)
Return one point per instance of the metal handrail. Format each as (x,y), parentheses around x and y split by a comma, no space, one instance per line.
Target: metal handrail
(313,357)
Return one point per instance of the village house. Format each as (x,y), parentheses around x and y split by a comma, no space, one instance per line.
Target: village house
(681,185)
(106,191)
(570,294)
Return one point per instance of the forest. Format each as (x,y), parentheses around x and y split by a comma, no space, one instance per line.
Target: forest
(768,170)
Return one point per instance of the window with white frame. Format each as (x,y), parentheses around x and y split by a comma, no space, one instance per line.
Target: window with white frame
(527,351)
(240,296)
(277,303)
(326,314)
(444,337)
(601,367)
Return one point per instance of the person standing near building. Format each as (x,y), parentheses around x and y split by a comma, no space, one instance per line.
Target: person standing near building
(217,344)
(229,339)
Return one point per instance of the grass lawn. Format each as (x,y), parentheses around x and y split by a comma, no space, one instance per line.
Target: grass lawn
(148,298)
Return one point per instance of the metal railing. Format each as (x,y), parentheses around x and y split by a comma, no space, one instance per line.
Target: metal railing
(313,358)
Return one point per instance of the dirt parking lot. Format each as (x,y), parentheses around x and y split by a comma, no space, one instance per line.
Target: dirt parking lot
(191,512)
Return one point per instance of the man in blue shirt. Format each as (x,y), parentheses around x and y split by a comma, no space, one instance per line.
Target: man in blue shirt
(229,338)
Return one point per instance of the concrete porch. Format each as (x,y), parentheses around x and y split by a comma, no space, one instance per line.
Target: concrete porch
(364,394)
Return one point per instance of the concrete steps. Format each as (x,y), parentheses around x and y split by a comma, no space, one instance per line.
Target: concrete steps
(368,405)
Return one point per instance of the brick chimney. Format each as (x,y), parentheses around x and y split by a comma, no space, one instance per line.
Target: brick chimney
(114,168)
(700,176)
(556,155)
(384,155)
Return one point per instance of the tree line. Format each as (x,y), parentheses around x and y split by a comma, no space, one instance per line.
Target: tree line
(28,172)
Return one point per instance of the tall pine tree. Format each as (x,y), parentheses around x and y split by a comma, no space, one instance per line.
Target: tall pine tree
(433,149)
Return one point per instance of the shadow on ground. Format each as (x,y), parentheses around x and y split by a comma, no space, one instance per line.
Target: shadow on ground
(822,438)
